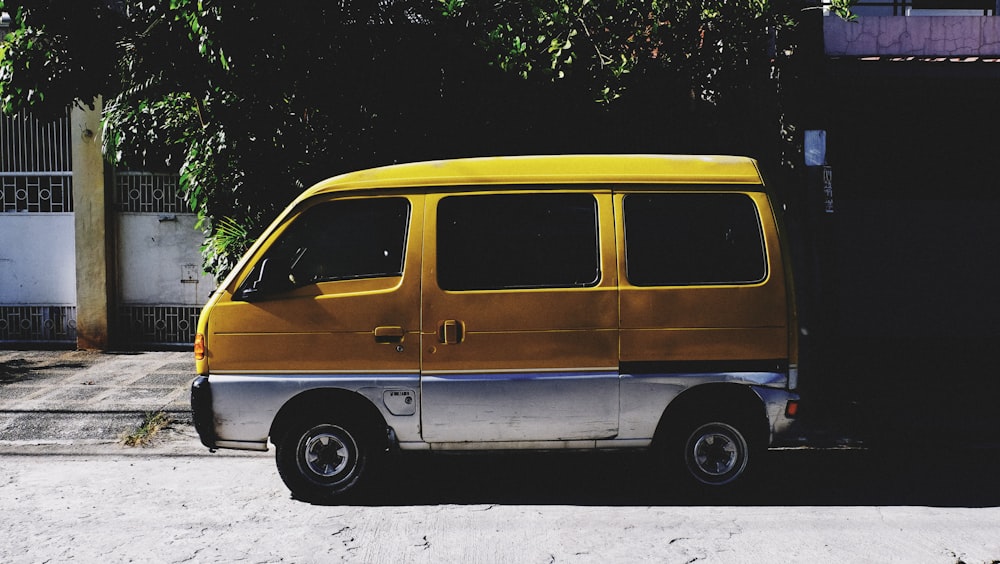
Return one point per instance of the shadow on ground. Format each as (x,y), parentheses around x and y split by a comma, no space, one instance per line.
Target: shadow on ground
(20,370)
(942,478)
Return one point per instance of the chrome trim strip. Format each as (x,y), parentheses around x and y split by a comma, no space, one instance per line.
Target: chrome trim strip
(308,372)
(508,375)
(702,366)
(531,445)
(515,445)
(766,379)
(603,370)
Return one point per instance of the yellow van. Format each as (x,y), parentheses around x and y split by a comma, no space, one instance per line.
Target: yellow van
(507,303)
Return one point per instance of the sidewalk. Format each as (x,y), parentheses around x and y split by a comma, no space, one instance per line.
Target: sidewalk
(69,401)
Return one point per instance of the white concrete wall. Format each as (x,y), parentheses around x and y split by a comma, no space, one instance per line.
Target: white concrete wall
(917,36)
(37,259)
(159,260)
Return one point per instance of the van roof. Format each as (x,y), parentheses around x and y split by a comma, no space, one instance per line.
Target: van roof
(550,169)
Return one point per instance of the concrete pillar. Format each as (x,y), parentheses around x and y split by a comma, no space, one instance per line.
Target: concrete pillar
(90,209)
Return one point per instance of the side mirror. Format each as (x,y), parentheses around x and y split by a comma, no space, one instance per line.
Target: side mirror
(267,278)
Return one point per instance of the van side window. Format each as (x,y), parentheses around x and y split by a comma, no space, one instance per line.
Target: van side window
(506,241)
(685,239)
(346,239)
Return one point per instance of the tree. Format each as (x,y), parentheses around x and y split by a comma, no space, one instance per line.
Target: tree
(252,101)
(249,100)
(603,42)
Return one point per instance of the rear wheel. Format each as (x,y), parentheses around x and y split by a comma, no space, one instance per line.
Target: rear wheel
(716,453)
(322,460)
(712,453)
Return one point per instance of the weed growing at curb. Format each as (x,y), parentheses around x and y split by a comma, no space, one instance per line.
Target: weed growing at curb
(144,433)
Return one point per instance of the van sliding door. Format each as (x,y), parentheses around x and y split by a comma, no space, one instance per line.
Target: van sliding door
(520,317)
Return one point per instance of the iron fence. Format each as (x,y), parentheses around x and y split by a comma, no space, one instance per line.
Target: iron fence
(147,192)
(158,325)
(36,166)
(37,323)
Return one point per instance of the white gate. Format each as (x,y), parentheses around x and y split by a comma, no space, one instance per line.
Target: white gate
(37,244)
(161,285)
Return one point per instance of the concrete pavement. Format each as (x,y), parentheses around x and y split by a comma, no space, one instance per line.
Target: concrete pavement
(68,401)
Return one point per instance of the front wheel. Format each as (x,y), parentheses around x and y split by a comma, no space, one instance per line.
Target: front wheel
(322,461)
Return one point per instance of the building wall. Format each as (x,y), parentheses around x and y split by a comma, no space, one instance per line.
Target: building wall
(913,253)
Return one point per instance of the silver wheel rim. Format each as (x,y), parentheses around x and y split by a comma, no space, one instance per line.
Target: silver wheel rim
(717,453)
(328,451)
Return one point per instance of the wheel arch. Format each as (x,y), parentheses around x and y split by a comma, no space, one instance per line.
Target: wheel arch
(735,403)
(334,401)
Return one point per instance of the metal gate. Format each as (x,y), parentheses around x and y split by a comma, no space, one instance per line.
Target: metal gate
(37,245)
(161,287)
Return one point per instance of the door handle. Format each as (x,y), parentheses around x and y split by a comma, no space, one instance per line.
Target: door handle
(451,332)
(389,334)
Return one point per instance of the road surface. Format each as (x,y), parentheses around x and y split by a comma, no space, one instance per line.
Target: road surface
(178,503)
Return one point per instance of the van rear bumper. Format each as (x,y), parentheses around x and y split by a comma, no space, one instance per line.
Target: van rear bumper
(201,408)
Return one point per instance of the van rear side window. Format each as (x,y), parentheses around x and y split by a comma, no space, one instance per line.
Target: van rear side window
(686,239)
(508,241)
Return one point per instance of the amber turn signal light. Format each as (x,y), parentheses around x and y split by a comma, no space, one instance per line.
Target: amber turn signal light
(199,347)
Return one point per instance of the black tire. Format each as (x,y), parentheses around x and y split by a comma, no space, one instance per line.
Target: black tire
(712,453)
(322,460)
(716,453)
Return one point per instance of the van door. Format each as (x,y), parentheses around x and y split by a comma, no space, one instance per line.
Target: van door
(520,320)
(336,290)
